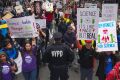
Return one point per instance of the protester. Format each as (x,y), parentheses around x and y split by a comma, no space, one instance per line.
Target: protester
(56,16)
(10,49)
(106,62)
(70,37)
(118,36)
(7,67)
(38,49)
(86,61)
(114,73)
(29,66)
(62,26)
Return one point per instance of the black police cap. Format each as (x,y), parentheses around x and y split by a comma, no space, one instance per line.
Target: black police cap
(57,35)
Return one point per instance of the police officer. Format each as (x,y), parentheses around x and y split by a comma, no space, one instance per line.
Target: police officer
(59,56)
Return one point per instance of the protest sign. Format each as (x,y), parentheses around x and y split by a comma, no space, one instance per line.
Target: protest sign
(87,5)
(8,16)
(40,23)
(87,22)
(107,37)
(59,5)
(64,2)
(19,9)
(18,61)
(37,7)
(109,12)
(49,6)
(90,5)
(24,27)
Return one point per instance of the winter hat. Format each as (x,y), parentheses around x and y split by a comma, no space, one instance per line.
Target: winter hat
(2,53)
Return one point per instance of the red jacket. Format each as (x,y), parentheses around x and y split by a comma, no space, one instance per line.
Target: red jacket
(49,16)
(115,73)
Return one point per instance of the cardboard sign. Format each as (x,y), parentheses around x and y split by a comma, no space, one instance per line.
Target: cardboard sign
(87,22)
(37,7)
(24,27)
(8,16)
(40,23)
(107,37)
(19,9)
(18,61)
(90,5)
(109,12)
(49,6)
(59,5)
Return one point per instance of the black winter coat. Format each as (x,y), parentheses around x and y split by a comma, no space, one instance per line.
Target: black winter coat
(102,64)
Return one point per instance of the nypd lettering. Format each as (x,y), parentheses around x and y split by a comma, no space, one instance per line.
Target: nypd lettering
(57,53)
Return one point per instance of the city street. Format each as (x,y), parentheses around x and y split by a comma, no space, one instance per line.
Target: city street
(78,37)
(44,74)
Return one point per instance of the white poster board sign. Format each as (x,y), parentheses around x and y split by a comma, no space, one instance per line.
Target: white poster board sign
(49,6)
(109,12)
(107,37)
(24,27)
(87,22)
(40,23)
(90,5)
(19,9)
(59,5)
(18,61)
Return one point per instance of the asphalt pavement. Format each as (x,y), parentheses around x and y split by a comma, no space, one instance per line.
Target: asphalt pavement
(74,74)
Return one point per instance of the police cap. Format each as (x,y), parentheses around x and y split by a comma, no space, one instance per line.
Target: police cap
(57,35)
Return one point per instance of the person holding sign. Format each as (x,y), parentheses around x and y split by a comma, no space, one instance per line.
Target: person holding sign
(29,66)
(106,62)
(86,61)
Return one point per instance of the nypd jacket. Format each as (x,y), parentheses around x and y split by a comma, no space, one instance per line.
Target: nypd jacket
(58,54)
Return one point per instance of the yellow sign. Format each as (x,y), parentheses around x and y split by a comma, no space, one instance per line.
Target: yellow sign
(8,16)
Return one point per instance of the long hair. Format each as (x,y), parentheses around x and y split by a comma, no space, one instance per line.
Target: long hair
(24,48)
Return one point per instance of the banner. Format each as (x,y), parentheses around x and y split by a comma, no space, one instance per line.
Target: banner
(107,37)
(109,12)
(87,22)
(24,27)
(40,23)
